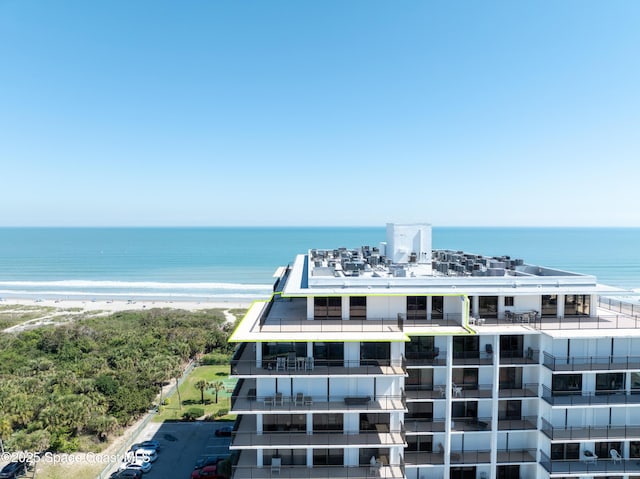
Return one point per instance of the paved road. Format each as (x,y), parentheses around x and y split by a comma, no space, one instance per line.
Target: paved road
(181,444)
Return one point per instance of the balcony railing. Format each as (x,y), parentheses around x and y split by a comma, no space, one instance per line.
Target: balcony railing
(471,424)
(301,402)
(590,466)
(427,358)
(315,367)
(424,424)
(514,424)
(566,398)
(527,356)
(624,432)
(426,392)
(590,363)
(472,357)
(611,321)
(379,437)
(512,390)
(470,457)
(471,390)
(320,472)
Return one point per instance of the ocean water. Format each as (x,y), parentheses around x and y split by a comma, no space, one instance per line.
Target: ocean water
(238,263)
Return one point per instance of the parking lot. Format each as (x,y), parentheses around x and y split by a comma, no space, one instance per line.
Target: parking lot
(181,445)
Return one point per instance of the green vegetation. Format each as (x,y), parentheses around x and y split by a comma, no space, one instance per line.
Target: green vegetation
(12,314)
(93,376)
(191,395)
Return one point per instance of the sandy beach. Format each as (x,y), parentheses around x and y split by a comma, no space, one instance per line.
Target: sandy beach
(122,305)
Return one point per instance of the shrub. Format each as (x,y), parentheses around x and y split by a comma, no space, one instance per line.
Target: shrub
(222,412)
(193,413)
(213,359)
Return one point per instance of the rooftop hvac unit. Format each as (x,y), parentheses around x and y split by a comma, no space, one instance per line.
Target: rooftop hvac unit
(413,257)
(495,272)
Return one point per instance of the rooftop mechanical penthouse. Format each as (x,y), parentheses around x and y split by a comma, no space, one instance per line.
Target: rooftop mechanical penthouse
(399,361)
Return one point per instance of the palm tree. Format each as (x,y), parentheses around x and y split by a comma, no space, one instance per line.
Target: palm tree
(217,387)
(201,384)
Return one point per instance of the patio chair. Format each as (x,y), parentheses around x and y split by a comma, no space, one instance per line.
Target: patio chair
(281,364)
(589,457)
(615,456)
(276,462)
(299,401)
(278,400)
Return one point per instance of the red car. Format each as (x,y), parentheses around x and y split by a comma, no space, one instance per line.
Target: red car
(208,472)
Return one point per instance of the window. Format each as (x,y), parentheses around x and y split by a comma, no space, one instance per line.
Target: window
(358,307)
(511,346)
(509,301)
(510,378)
(510,409)
(270,351)
(565,451)
(378,353)
(577,305)
(284,422)
(374,421)
(602,448)
(464,409)
(466,347)
(609,383)
(508,471)
(420,410)
(418,379)
(550,305)
(420,443)
(634,449)
(635,381)
(330,354)
(565,384)
(420,347)
(327,307)
(416,307)
(488,306)
(467,378)
(437,307)
(328,457)
(327,422)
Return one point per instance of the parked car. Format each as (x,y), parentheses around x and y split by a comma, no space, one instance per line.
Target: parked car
(207,461)
(127,474)
(142,454)
(13,469)
(143,466)
(153,444)
(208,472)
(224,431)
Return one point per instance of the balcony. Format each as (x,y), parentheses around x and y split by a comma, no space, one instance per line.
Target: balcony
(382,437)
(517,357)
(435,357)
(418,425)
(471,390)
(470,424)
(425,392)
(250,403)
(513,390)
(470,457)
(516,424)
(603,398)
(600,466)
(473,358)
(577,433)
(590,363)
(244,363)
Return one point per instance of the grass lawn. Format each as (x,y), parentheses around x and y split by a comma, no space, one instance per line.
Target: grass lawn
(190,395)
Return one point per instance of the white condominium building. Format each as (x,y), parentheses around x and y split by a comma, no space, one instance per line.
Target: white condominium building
(399,361)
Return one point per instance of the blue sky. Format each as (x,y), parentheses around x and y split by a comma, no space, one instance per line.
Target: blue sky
(319,113)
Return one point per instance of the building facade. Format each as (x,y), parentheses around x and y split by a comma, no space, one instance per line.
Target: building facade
(399,361)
